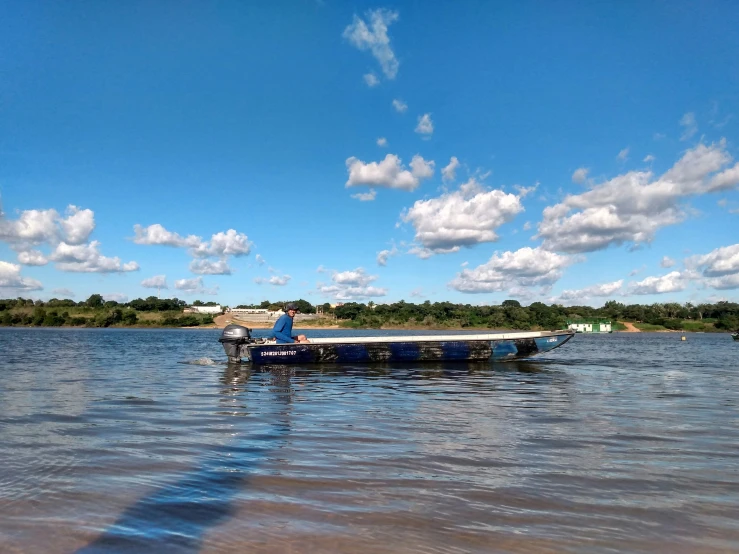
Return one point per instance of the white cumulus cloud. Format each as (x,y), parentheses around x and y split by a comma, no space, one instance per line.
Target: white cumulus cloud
(449,173)
(276,280)
(719,268)
(464,217)
(371,34)
(383,255)
(583,295)
(580,175)
(10,278)
(365,196)
(633,206)
(32,257)
(399,105)
(86,258)
(672,282)
(521,269)
(667,262)
(623,155)
(78,225)
(194,286)
(371,80)
(382,141)
(35,227)
(156,282)
(389,172)
(351,285)
(425,125)
(210,267)
(156,234)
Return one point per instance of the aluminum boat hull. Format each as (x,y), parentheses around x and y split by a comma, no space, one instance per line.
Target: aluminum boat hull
(490,347)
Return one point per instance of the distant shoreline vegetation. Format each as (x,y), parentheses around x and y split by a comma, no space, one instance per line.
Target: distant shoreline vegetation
(510,314)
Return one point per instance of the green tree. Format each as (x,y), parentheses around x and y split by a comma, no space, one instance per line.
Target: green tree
(95,301)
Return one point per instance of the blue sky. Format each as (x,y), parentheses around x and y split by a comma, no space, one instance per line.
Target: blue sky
(472,152)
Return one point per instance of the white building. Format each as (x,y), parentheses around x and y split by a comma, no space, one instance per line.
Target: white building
(248,311)
(207,309)
(590,326)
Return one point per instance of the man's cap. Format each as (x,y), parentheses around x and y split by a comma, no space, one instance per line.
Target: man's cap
(291,306)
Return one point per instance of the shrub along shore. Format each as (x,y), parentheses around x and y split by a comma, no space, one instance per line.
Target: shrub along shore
(155,312)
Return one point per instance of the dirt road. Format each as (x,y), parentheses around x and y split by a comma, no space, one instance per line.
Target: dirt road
(630,328)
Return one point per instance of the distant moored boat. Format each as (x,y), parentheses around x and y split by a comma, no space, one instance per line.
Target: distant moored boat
(735,336)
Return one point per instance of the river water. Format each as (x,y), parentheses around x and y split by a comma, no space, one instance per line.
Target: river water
(612,443)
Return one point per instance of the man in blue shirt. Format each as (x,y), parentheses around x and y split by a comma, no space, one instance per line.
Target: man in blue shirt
(283,328)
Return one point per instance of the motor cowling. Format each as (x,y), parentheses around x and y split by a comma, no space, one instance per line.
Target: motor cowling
(234,340)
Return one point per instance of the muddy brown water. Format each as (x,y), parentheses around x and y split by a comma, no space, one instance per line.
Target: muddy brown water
(612,443)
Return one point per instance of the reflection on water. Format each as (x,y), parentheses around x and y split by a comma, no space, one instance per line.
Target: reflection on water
(612,443)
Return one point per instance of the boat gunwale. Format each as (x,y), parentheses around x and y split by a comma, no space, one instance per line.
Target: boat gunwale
(487,337)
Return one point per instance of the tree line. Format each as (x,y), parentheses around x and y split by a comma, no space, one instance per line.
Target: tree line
(510,314)
(97,312)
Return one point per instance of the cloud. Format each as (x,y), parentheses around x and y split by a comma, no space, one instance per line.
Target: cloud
(156,282)
(10,278)
(580,175)
(85,258)
(649,158)
(260,259)
(449,173)
(351,285)
(371,80)
(115,297)
(383,255)
(389,172)
(34,227)
(399,105)
(464,217)
(583,295)
(382,141)
(230,243)
(209,267)
(63,292)
(78,225)
(194,286)
(372,35)
(66,236)
(667,262)
(672,282)
(425,125)
(633,206)
(623,155)
(523,268)
(417,292)
(32,257)
(276,280)
(156,234)
(719,268)
(527,226)
(689,125)
(365,196)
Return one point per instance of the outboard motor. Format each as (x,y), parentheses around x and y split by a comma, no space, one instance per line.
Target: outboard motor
(234,340)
